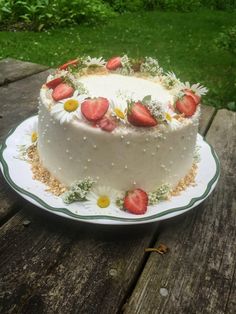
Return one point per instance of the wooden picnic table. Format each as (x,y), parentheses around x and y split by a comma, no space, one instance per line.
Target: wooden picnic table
(53,265)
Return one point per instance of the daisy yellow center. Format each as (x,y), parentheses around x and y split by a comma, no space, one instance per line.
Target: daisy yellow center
(168,117)
(71,105)
(119,113)
(103,201)
(34,137)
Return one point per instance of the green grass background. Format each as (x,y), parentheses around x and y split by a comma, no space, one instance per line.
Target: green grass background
(182,42)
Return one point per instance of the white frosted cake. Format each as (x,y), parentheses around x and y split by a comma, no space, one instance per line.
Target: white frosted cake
(122,125)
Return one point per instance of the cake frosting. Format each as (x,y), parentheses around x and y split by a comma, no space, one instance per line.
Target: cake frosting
(129,155)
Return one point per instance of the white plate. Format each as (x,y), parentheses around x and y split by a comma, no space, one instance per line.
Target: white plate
(18,174)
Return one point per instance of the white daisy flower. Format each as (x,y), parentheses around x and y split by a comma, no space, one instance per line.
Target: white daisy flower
(94,61)
(102,197)
(118,108)
(196,88)
(67,109)
(151,65)
(170,118)
(32,133)
(169,80)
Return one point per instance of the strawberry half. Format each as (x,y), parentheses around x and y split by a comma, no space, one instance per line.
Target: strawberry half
(136,202)
(139,115)
(53,83)
(94,109)
(186,105)
(114,63)
(107,124)
(196,98)
(71,62)
(62,91)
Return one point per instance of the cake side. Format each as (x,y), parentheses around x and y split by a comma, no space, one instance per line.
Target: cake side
(122,160)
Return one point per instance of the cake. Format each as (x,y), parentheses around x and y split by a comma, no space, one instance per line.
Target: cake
(123,125)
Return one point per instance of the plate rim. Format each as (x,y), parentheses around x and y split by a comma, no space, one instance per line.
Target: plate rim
(64,212)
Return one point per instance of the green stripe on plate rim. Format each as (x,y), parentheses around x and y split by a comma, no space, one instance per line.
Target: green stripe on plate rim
(95,217)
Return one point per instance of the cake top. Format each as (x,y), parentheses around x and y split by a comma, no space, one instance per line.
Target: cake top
(121,93)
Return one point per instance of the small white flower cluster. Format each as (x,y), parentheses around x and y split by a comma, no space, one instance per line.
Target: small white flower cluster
(169,80)
(151,66)
(126,68)
(157,110)
(78,191)
(22,152)
(76,83)
(160,194)
(120,202)
(196,154)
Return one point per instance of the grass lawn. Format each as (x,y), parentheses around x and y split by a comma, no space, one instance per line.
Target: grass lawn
(182,42)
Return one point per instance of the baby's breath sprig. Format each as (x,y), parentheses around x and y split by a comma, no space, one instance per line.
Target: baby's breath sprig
(155,107)
(196,154)
(151,66)
(78,68)
(78,191)
(120,202)
(73,82)
(126,68)
(160,194)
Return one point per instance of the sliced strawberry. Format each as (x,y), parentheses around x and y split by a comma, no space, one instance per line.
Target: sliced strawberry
(62,91)
(196,98)
(71,62)
(139,115)
(136,202)
(114,63)
(107,124)
(186,105)
(94,109)
(53,83)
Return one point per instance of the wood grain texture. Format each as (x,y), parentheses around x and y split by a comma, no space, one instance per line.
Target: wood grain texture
(207,115)
(19,100)
(53,265)
(12,70)
(9,200)
(198,272)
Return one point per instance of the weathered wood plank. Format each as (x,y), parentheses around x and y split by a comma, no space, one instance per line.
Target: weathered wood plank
(207,114)
(197,275)
(52,260)
(18,101)
(12,70)
(8,200)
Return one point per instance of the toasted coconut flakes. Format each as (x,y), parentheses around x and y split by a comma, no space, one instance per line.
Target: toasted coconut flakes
(43,175)
(57,188)
(96,70)
(188,180)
